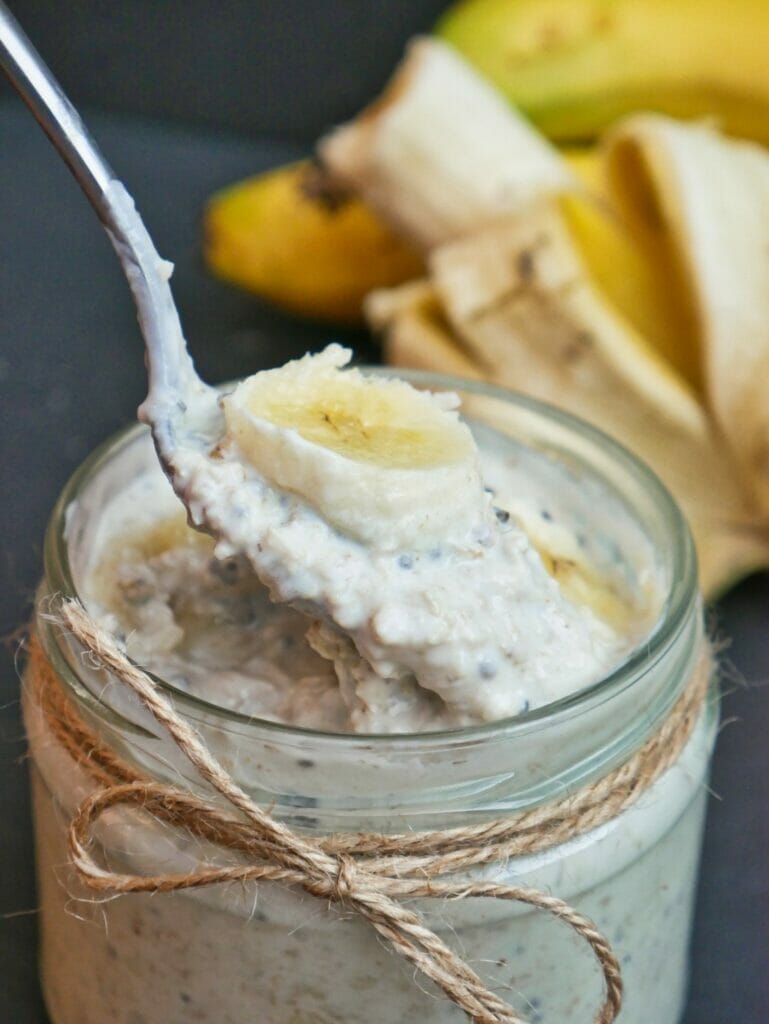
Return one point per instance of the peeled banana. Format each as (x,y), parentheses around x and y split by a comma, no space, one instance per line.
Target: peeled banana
(386,464)
(626,283)
(568,296)
(571,66)
(308,255)
(440,152)
(576,66)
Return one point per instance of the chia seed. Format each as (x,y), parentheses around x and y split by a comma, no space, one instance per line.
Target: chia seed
(302,801)
(227,571)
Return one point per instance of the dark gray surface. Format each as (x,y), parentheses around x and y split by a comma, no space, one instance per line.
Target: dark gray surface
(71,371)
(282,68)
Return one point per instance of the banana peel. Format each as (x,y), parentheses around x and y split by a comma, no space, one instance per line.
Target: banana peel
(313,256)
(317,253)
(416,334)
(543,327)
(438,156)
(519,294)
(268,235)
(574,67)
(707,198)
(640,277)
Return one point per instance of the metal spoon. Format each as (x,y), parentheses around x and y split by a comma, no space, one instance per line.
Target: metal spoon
(173,382)
(182,412)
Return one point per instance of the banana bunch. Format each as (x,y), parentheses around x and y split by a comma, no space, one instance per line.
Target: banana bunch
(572,67)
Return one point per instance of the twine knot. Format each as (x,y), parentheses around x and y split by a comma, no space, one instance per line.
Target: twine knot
(370,873)
(345,882)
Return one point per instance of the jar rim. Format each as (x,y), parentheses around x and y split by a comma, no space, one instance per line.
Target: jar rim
(676,604)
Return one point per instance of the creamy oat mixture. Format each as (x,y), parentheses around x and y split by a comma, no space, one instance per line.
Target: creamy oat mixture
(361,503)
(464,631)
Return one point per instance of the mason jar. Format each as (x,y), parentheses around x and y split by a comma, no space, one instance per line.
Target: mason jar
(235,954)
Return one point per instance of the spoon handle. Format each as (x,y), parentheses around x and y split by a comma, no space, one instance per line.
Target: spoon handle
(34,82)
(170,367)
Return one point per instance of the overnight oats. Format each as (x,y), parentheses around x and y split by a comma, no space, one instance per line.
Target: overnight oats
(385,641)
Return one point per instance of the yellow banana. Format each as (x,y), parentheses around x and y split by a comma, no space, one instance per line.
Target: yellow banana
(575,66)
(305,255)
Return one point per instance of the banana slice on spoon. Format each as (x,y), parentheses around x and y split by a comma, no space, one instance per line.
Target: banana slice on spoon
(384,463)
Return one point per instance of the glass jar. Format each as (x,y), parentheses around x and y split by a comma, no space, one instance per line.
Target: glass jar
(237,954)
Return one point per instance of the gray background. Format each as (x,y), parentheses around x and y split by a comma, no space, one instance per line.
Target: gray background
(184,98)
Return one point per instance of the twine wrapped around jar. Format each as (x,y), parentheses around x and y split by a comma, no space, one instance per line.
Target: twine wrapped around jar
(368,873)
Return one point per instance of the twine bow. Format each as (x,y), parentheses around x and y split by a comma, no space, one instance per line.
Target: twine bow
(367,873)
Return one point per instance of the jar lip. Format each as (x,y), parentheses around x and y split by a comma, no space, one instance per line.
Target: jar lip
(675,607)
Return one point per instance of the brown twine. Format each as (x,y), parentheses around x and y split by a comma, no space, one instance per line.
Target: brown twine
(363,871)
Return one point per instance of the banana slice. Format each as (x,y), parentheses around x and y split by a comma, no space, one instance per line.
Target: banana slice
(386,464)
